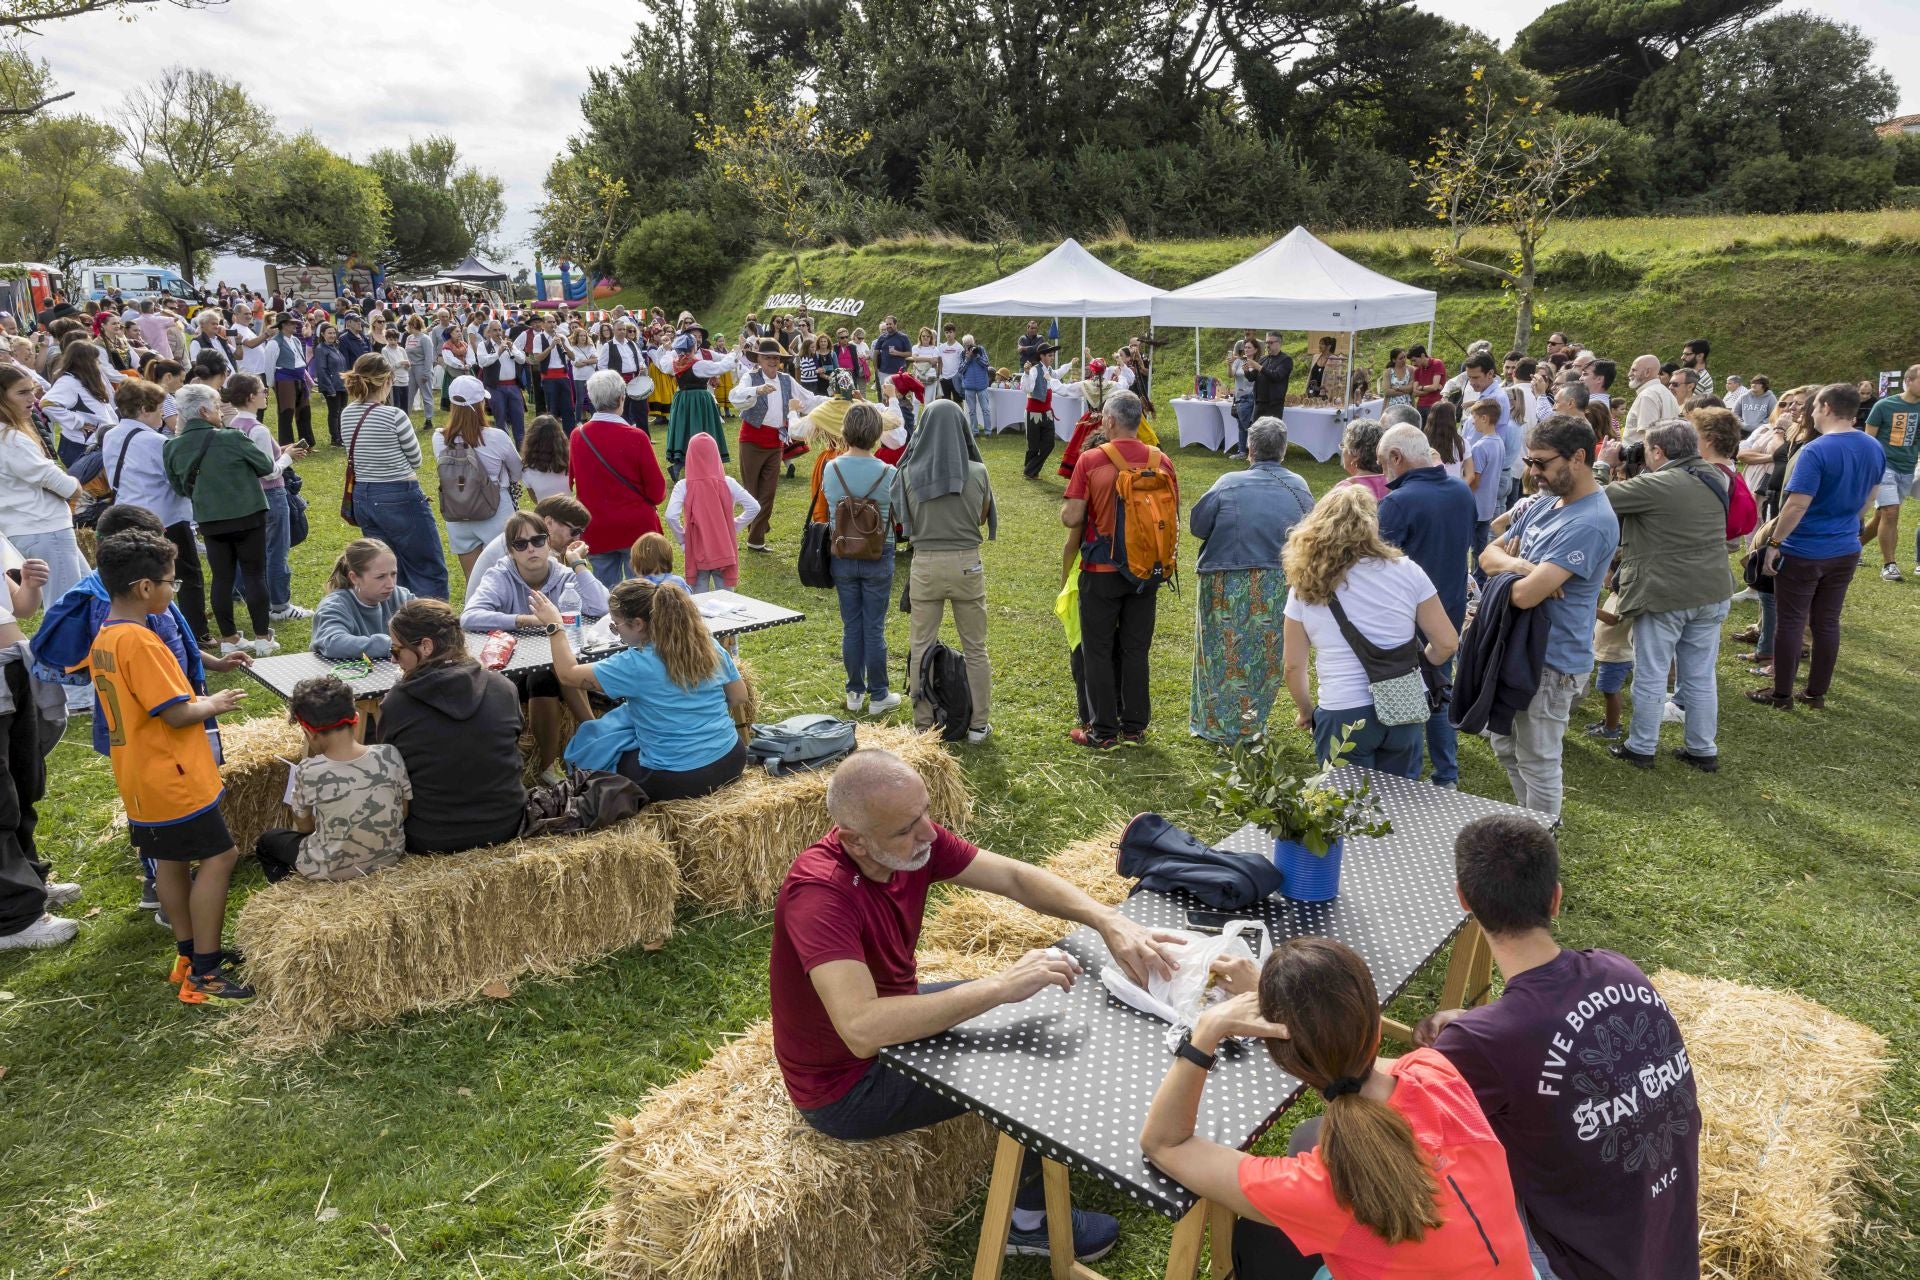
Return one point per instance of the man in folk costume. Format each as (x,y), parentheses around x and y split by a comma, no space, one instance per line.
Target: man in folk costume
(292,384)
(500,362)
(765,396)
(550,357)
(693,366)
(626,357)
(1039,382)
(657,334)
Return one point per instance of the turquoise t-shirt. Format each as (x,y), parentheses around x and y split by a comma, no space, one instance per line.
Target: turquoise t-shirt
(671,728)
(848,477)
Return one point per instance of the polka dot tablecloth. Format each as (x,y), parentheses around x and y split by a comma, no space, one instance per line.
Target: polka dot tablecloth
(1070,1074)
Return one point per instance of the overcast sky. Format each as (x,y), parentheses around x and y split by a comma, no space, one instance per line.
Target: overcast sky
(503,78)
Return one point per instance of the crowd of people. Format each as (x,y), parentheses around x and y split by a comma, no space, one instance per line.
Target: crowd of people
(1502,536)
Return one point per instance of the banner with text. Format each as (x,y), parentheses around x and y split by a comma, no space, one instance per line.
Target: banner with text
(831,306)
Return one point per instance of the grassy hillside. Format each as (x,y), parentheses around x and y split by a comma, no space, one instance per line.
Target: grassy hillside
(1799,298)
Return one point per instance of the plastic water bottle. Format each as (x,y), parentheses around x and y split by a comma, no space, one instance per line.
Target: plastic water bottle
(570,614)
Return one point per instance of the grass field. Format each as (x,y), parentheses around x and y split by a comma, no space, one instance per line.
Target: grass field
(139,1144)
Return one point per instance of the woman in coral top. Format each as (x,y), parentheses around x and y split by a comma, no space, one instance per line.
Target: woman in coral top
(1401,1178)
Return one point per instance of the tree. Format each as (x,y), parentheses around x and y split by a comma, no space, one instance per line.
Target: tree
(63,192)
(674,258)
(1514,169)
(423,226)
(1599,52)
(786,162)
(301,203)
(191,133)
(479,200)
(584,212)
(25,86)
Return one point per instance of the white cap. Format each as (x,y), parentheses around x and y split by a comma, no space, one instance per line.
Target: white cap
(468,390)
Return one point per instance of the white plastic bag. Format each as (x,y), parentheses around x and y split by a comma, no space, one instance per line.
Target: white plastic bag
(1180,997)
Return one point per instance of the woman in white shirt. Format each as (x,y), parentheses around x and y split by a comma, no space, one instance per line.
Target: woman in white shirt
(397,359)
(543,458)
(498,458)
(1336,556)
(79,402)
(926,364)
(34,494)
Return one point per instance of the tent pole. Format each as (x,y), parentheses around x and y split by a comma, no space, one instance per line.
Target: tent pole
(1430,320)
(1149,357)
(1196,357)
(1346,395)
(1083,341)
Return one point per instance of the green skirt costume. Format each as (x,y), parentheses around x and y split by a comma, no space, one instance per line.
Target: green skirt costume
(693,410)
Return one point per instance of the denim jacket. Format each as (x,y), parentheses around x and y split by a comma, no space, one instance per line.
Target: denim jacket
(1245,518)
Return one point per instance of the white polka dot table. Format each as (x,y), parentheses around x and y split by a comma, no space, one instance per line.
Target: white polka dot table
(726,613)
(1070,1074)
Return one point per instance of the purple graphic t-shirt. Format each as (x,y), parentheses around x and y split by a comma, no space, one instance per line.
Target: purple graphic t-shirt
(1582,1073)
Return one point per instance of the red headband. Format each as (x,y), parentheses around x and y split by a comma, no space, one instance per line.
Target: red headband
(352,717)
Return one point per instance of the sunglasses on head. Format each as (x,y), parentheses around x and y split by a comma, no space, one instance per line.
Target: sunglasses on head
(531,540)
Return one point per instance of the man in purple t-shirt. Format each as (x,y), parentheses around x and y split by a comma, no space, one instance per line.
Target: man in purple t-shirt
(1581,1070)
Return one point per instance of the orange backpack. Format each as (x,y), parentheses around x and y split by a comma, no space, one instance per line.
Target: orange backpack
(1146,520)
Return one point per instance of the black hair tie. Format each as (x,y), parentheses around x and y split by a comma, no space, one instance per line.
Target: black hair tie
(1344,1085)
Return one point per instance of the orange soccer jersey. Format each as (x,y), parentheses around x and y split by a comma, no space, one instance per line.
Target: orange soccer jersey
(165,775)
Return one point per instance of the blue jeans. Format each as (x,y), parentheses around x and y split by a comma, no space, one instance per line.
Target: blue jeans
(1482,535)
(1688,640)
(1244,415)
(611,568)
(510,410)
(866,593)
(979,414)
(1768,622)
(396,512)
(1394,749)
(1443,743)
(279,538)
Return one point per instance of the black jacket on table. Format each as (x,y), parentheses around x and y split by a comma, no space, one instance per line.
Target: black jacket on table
(458,729)
(1502,655)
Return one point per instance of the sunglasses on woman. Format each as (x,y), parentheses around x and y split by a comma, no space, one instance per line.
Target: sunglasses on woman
(535,540)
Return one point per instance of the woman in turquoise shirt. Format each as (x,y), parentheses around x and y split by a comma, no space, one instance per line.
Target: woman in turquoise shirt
(865,585)
(675,733)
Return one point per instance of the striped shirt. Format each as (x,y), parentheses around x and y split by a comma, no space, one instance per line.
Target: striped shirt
(386,448)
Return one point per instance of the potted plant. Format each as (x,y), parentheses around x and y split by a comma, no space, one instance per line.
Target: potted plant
(1308,819)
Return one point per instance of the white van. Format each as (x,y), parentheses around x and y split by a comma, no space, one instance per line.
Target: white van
(135,283)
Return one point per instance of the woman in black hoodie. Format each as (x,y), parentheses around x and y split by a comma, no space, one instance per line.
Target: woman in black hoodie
(457,726)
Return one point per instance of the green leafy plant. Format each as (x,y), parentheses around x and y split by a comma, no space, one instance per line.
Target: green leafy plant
(1255,783)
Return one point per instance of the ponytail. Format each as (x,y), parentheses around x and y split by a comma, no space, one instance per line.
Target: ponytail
(674,628)
(370,375)
(1325,995)
(354,558)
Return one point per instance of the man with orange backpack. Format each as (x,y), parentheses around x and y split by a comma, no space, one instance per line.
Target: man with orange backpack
(1122,513)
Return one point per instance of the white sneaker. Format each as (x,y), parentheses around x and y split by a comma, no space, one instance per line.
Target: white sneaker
(1890,572)
(884,705)
(1747,593)
(227,647)
(61,892)
(290,612)
(980,734)
(855,701)
(47,931)
(264,647)
(1672,714)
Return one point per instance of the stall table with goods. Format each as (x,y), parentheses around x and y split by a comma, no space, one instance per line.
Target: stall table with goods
(726,613)
(1071,1074)
(1007,409)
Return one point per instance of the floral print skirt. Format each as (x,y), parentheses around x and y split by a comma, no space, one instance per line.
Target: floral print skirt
(1237,670)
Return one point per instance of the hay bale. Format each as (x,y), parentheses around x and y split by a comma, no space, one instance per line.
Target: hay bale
(1783,1085)
(431,931)
(718,1178)
(255,774)
(971,935)
(735,845)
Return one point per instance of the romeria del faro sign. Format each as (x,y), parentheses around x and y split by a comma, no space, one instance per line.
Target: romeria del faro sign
(831,306)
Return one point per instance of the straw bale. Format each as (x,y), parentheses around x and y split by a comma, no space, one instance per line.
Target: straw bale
(431,931)
(255,774)
(735,845)
(972,935)
(718,1178)
(1784,1084)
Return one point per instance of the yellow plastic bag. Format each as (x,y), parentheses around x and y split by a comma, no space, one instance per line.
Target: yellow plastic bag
(1066,607)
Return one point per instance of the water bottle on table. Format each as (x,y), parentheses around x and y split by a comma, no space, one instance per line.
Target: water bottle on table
(570,614)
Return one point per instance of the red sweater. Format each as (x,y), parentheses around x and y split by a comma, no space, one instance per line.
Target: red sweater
(620,515)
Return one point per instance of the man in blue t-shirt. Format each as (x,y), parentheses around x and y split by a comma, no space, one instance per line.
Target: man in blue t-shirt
(1815,545)
(1580,1069)
(890,349)
(1561,546)
(1483,384)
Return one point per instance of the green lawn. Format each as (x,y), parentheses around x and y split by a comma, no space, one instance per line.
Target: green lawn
(139,1144)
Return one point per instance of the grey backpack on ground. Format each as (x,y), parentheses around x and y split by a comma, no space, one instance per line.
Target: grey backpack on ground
(467,492)
(800,742)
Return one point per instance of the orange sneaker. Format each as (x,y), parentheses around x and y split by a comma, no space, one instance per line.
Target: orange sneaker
(182,966)
(219,986)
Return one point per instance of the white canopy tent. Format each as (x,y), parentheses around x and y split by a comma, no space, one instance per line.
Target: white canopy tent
(1297,282)
(1069,281)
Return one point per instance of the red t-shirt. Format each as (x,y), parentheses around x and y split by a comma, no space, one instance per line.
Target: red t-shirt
(619,514)
(1092,483)
(829,910)
(1479,1236)
(1434,369)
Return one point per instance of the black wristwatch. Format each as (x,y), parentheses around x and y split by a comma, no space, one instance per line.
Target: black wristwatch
(1186,1049)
